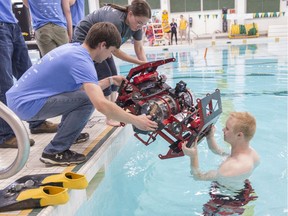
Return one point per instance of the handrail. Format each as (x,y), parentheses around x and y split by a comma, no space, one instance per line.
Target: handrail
(23,142)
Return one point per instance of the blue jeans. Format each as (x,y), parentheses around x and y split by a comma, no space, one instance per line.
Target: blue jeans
(75,109)
(14,61)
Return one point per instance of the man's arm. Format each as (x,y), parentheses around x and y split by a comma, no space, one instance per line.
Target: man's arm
(139,50)
(72,2)
(25,2)
(67,13)
(116,80)
(125,57)
(212,144)
(112,111)
(194,163)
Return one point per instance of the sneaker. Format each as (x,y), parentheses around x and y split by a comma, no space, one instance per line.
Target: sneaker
(12,143)
(45,127)
(83,137)
(64,158)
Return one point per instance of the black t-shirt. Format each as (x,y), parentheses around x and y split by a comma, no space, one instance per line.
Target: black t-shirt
(173,27)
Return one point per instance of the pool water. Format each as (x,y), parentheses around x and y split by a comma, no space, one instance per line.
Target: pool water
(251,77)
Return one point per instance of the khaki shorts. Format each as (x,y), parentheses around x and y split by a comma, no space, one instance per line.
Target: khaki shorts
(50,36)
(182,33)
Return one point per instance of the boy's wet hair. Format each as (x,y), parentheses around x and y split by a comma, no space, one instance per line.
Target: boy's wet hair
(103,32)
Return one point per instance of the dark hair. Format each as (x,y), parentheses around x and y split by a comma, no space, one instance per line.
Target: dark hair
(138,8)
(103,32)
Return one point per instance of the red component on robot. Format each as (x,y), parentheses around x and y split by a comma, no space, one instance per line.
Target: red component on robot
(196,123)
(152,76)
(179,117)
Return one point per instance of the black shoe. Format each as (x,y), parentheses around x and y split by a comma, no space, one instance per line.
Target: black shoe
(83,137)
(12,143)
(64,158)
(45,127)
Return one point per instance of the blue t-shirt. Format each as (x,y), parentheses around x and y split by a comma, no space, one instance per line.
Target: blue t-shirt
(6,14)
(106,14)
(46,11)
(64,69)
(77,11)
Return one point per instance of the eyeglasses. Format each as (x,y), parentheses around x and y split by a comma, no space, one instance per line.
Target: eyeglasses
(139,22)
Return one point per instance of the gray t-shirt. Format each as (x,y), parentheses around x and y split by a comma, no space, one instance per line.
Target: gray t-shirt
(106,14)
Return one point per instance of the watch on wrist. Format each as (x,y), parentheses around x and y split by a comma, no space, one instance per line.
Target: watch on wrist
(111,81)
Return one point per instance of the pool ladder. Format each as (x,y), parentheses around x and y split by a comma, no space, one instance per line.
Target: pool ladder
(23,142)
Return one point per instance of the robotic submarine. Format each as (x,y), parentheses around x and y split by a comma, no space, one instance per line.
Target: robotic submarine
(179,117)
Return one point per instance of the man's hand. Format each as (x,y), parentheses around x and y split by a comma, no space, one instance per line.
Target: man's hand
(193,150)
(144,123)
(117,80)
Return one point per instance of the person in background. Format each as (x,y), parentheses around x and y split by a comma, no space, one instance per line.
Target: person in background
(52,23)
(14,61)
(173,26)
(230,186)
(74,94)
(167,30)
(182,27)
(129,21)
(77,8)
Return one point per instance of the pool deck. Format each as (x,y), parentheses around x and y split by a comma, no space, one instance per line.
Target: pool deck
(101,137)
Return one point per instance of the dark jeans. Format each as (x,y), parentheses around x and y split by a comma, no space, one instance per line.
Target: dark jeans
(106,69)
(14,61)
(173,33)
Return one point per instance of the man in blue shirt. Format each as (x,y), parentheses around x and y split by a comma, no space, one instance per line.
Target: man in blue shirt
(52,23)
(129,21)
(64,83)
(14,61)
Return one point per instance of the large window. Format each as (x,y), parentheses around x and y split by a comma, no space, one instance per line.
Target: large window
(218,4)
(185,5)
(154,4)
(256,6)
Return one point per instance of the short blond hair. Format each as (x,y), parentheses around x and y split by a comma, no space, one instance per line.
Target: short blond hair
(246,123)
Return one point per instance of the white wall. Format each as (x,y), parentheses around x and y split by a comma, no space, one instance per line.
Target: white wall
(202,25)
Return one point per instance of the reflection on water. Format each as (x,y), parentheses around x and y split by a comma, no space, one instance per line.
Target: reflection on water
(251,78)
(225,201)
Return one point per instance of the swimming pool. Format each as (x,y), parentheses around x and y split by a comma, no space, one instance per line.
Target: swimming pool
(251,77)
